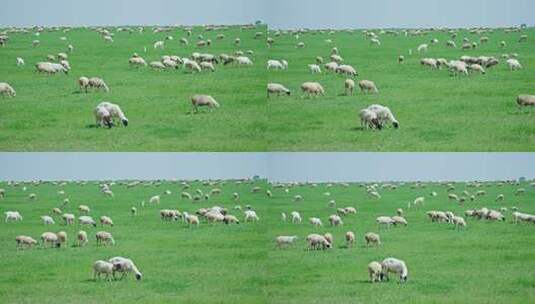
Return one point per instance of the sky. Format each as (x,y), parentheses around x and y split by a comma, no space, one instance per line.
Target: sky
(277,13)
(278,167)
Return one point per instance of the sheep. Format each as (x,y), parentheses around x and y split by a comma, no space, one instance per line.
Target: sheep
(82,238)
(375,41)
(157,65)
(458,67)
(384,115)
(319,60)
(277,88)
(125,266)
(20,61)
(431,62)
(476,68)
(351,210)
(399,220)
(107,39)
(368,86)
(285,240)
(100,267)
(137,61)
(105,112)
(314,68)
(68,218)
(50,68)
(12,216)
(346,70)
(422,48)
(418,201)
(494,215)
(62,238)
(396,266)
(242,60)
(203,100)
(300,45)
(250,215)
(50,238)
(525,100)
(24,241)
(105,220)
(159,45)
(312,88)
(315,222)
(458,221)
(453,196)
(329,237)
(283,215)
(375,270)
(335,220)
(98,83)
(520,191)
(83,82)
(316,241)
(401,59)
(276,64)
(47,220)
(369,119)
(296,217)
(84,209)
(207,66)
(297,198)
(385,220)
(503,44)
(191,219)
(331,66)
(229,219)
(513,64)
(500,198)
(104,237)
(350,238)
(451,43)
(372,238)
(70,48)
(87,220)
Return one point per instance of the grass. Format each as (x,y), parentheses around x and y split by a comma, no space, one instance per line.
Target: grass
(240,264)
(437,112)
(50,114)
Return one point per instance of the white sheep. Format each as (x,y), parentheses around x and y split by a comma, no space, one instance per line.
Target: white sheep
(68,218)
(335,220)
(375,270)
(315,221)
(104,237)
(50,68)
(296,217)
(422,48)
(20,61)
(349,86)
(369,119)
(277,88)
(513,64)
(207,66)
(47,220)
(316,241)
(105,220)
(159,45)
(372,238)
(368,86)
(98,83)
(243,60)
(137,61)
(458,222)
(191,219)
(50,238)
(314,68)
(83,82)
(110,111)
(24,241)
(384,114)
(276,65)
(525,100)
(82,238)
(125,266)
(12,216)
(285,240)
(396,266)
(87,220)
(250,215)
(100,267)
(312,88)
(350,238)
(203,100)
(346,70)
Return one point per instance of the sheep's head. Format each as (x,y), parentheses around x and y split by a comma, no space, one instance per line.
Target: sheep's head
(125,122)
(138,276)
(395,124)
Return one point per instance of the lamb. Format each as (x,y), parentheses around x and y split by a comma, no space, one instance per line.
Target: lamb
(418,201)
(369,119)
(83,82)
(396,266)
(203,100)
(335,220)
(82,238)
(372,238)
(277,88)
(513,64)
(316,241)
(47,220)
(87,220)
(350,238)
(111,111)
(525,100)
(368,86)
(349,86)
(137,61)
(12,216)
(98,83)
(24,241)
(50,238)
(68,218)
(104,237)
(312,88)
(384,114)
(105,220)
(296,217)
(346,70)
(100,267)
(375,270)
(250,215)
(125,266)
(285,240)
(314,68)
(315,221)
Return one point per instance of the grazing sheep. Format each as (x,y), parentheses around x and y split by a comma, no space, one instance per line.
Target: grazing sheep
(47,220)
(50,238)
(277,65)
(399,220)
(314,68)
(316,241)
(277,88)
(346,70)
(350,238)
(250,215)
(368,86)
(329,237)
(68,218)
(242,60)
(62,238)
(384,115)
(159,45)
(500,198)
(229,219)
(385,221)
(203,100)
(335,220)
(20,61)
(12,216)
(458,67)
(98,83)
(525,100)
(513,64)
(125,266)
(105,220)
(87,220)
(375,270)
(396,266)
(83,82)
(50,68)
(431,62)
(285,240)
(82,238)
(372,238)
(422,48)
(191,219)
(106,111)
(137,61)
(102,267)
(104,237)
(24,241)
(331,66)
(349,86)
(7,90)
(399,212)
(283,215)
(315,222)
(458,222)
(296,217)
(476,68)
(84,209)
(451,43)
(312,88)
(369,119)
(157,65)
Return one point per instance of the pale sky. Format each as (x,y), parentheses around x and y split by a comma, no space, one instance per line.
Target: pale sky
(277,13)
(276,166)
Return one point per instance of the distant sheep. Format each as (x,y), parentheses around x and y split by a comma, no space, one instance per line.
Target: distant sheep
(372,238)
(525,100)
(277,88)
(368,86)
(312,89)
(7,90)
(375,270)
(203,100)
(106,111)
(396,266)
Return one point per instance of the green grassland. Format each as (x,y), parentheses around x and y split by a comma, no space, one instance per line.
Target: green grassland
(488,262)
(436,112)
(50,114)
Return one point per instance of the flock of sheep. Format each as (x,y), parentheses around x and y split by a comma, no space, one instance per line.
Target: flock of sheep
(378,271)
(106,112)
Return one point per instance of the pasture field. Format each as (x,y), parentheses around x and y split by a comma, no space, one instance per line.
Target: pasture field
(214,263)
(436,112)
(50,114)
